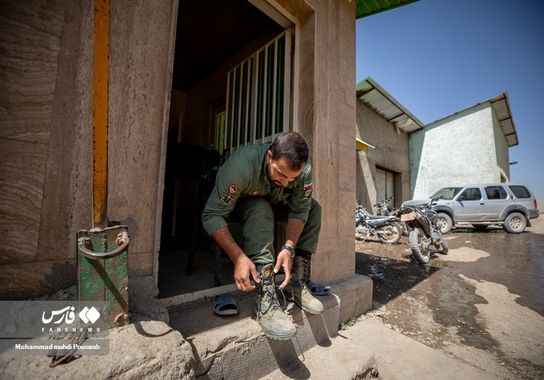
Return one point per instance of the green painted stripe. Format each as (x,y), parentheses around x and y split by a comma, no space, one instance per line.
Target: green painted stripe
(364,8)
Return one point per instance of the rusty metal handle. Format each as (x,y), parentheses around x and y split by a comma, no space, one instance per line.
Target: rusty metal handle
(122,241)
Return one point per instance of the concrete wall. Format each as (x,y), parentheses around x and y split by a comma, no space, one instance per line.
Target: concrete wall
(457,150)
(45,142)
(325,81)
(501,150)
(46,134)
(391,152)
(141,38)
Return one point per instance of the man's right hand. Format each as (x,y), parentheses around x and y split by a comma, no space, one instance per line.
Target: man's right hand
(243,268)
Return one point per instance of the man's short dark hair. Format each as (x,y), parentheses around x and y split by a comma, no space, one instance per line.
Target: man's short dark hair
(291,146)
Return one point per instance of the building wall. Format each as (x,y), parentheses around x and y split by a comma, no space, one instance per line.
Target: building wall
(391,152)
(329,122)
(141,38)
(46,135)
(46,139)
(457,150)
(45,142)
(501,150)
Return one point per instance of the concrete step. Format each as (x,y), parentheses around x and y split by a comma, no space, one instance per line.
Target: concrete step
(371,350)
(235,347)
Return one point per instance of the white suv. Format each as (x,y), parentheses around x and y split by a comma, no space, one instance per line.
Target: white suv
(507,204)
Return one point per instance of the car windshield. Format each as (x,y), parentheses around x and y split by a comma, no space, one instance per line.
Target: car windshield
(447,193)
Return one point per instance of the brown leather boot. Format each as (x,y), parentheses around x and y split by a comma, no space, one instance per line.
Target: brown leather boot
(273,320)
(297,289)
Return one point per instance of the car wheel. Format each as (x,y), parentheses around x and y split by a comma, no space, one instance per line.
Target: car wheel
(515,223)
(443,222)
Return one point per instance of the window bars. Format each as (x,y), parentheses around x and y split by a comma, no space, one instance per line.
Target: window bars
(258,95)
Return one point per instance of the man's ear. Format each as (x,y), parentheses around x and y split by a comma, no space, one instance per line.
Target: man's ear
(269,154)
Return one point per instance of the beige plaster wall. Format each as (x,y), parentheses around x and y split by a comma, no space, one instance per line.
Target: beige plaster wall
(141,34)
(328,77)
(44,142)
(391,152)
(46,136)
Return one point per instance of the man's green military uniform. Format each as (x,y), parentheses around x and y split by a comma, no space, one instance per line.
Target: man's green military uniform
(243,193)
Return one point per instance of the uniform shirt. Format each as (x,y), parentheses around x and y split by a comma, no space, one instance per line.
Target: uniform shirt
(244,175)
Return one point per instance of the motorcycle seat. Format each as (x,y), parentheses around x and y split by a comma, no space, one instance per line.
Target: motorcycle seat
(379,221)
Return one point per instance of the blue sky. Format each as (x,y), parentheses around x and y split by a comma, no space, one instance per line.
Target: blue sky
(437,57)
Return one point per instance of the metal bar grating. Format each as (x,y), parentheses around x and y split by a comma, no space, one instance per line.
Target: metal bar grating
(257,96)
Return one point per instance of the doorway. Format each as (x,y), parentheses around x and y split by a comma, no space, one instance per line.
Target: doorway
(385,185)
(229,85)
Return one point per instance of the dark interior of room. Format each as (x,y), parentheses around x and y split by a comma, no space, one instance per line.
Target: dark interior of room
(208,34)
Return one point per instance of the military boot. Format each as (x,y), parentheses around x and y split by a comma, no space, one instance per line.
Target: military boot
(298,290)
(274,322)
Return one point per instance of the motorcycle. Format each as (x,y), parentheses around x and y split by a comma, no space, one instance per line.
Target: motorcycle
(424,231)
(384,209)
(384,227)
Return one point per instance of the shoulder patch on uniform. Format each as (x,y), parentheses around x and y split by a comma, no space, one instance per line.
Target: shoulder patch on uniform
(227,198)
(308,187)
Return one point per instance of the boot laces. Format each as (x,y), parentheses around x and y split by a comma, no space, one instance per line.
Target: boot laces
(303,270)
(268,288)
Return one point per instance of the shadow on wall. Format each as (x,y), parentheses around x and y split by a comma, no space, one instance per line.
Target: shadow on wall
(416,142)
(363,196)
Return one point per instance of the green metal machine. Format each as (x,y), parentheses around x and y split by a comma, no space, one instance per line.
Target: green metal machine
(102,265)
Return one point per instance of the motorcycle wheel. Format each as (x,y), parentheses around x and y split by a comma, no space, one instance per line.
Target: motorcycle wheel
(414,239)
(442,245)
(389,234)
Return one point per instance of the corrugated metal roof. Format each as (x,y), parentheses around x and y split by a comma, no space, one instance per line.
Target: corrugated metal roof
(375,97)
(364,8)
(502,108)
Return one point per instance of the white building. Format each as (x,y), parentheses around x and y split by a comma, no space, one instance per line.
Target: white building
(469,146)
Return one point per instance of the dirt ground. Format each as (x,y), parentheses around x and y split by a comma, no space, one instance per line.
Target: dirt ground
(482,303)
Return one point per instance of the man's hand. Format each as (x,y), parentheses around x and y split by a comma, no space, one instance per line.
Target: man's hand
(243,268)
(285,261)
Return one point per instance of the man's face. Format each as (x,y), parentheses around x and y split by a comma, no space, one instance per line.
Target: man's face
(279,173)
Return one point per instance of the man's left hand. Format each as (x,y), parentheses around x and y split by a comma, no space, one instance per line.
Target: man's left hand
(285,261)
